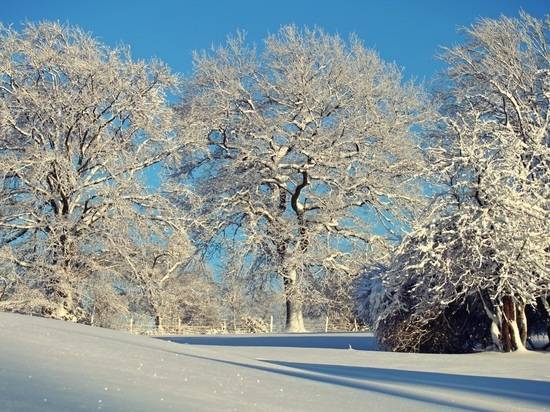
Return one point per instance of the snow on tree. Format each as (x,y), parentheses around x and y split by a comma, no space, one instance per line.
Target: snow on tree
(485,245)
(306,156)
(80,124)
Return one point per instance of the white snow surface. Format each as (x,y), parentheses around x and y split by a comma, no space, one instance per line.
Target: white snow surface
(49,365)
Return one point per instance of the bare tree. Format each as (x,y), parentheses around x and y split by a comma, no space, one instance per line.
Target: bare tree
(307,159)
(198,299)
(247,293)
(487,239)
(80,126)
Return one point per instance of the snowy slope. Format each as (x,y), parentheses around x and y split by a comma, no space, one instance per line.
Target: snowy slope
(48,365)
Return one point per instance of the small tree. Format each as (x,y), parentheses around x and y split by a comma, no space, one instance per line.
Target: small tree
(79,126)
(307,155)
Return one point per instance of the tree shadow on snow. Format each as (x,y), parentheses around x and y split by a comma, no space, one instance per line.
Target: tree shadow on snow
(329,341)
(529,392)
(532,391)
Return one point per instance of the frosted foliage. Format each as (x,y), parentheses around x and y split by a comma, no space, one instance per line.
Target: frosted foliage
(79,124)
(486,239)
(306,150)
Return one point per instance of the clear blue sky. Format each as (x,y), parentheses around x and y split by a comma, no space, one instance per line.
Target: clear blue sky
(405,31)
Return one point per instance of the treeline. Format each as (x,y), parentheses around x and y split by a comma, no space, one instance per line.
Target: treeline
(306,174)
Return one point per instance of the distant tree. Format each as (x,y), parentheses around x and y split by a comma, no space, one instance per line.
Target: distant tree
(194,297)
(306,156)
(486,245)
(80,124)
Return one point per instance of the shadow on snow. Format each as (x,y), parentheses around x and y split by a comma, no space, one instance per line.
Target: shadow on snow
(378,380)
(512,388)
(359,341)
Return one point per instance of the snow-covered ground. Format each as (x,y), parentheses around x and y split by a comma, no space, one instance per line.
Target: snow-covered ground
(48,365)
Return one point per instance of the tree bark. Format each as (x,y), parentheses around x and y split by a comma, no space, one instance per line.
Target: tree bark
(158,324)
(511,334)
(60,295)
(522,323)
(294,316)
(293,300)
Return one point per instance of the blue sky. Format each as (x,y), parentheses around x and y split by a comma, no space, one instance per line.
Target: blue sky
(407,32)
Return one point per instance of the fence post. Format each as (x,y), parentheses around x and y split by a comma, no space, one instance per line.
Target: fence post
(179,324)
(355,327)
(271,324)
(326,324)
(131,325)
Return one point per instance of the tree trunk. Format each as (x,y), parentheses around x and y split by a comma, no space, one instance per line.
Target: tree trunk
(158,324)
(544,304)
(293,299)
(60,296)
(510,329)
(522,323)
(62,311)
(294,317)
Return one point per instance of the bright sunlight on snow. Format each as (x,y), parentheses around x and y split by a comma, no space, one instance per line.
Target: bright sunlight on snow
(49,365)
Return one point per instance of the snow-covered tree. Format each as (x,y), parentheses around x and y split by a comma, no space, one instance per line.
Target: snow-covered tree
(80,125)
(307,157)
(485,245)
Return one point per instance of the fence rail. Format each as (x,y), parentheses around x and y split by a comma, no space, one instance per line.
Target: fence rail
(241,326)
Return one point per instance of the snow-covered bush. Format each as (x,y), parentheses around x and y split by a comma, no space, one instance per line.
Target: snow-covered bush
(451,284)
